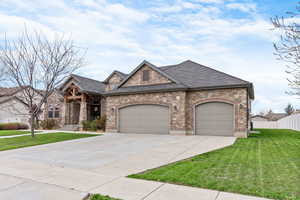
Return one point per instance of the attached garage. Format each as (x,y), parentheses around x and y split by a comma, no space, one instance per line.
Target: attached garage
(144,119)
(214,118)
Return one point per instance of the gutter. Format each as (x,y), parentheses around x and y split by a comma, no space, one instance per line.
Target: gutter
(177,89)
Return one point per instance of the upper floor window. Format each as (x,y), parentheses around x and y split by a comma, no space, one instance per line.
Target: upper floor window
(53,112)
(146,74)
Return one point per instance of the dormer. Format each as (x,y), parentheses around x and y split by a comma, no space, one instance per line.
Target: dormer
(113,80)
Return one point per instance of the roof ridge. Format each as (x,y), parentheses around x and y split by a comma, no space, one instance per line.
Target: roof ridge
(87,78)
(216,70)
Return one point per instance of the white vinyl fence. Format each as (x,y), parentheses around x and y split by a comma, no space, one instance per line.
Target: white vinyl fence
(289,122)
(265,124)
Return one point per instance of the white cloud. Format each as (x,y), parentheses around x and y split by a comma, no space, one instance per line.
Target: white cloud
(119,37)
(244,7)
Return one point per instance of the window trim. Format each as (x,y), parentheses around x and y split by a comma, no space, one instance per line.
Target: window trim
(146,75)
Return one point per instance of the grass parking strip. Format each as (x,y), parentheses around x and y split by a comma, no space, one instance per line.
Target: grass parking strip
(26,141)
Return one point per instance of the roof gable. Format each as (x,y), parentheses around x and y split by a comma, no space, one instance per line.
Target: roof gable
(152,67)
(84,84)
(115,73)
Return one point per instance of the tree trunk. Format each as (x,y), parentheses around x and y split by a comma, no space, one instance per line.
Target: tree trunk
(32,124)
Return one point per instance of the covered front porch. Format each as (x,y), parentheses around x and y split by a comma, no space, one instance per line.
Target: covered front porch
(80,104)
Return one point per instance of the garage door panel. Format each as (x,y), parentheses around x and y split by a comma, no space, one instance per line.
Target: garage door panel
(215,118)
(151,119)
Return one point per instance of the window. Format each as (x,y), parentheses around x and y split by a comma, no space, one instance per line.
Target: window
(53,112)
(146,75)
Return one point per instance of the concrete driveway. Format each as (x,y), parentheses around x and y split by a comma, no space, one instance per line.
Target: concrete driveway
(71,169)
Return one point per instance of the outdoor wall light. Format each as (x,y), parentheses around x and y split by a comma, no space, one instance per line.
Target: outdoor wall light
(175,107)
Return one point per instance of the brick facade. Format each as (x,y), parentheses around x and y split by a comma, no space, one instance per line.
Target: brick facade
(181,106)
(175,101)
(237,97)
(155,78)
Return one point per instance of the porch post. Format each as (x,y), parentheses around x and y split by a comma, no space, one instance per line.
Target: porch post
(83,109)
(64,114)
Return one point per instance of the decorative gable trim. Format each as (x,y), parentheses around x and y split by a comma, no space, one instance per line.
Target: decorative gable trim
(152,67)
(71,80)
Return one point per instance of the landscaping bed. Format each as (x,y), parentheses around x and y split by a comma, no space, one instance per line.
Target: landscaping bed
(26,141)
(266,164)
(101,197)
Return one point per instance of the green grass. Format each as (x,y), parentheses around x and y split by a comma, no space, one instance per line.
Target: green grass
(12,132)
(101,197)
(265,164)
(26,141)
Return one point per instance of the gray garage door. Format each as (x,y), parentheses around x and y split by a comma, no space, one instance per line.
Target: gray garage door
(151,119)
(214,119)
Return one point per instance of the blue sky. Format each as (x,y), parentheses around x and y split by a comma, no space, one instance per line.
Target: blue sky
(233,36)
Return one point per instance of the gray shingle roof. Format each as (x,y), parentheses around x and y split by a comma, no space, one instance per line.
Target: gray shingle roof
(194,75)
(89,85)
(189,75)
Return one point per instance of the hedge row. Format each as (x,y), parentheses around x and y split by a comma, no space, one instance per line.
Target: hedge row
(13,126)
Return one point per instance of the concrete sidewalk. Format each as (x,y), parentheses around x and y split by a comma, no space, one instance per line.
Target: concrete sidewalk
(134,189)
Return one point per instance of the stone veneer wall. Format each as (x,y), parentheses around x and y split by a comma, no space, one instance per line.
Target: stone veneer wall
(113,81)
(182,107)
(175,100)
(57,100)
(237,97)
(154,78)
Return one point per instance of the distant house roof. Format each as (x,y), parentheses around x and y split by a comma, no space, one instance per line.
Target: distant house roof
(254,116)
(9,91)
(275,116)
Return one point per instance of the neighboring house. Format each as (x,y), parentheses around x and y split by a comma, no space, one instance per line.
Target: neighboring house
(14,109)
(275,116)
(259,118)
(185,99)
(12,105)
(269,117)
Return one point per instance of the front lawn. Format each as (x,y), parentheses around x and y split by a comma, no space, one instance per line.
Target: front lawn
(26,141)
(12,132)
(266,164)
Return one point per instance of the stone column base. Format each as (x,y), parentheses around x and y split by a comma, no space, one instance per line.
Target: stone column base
(111,131)
(180,132)
(241,134)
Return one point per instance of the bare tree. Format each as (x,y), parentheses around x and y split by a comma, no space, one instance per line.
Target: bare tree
(38,65)
(2,74)
(288,48)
